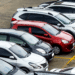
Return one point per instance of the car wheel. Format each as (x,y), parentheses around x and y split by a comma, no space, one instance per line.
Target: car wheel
(25,70)
(57,50)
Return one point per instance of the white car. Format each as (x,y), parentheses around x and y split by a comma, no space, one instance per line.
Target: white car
(70,70)
(67,8)
(17,56)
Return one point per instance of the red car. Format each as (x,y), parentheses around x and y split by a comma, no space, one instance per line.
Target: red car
(60,40)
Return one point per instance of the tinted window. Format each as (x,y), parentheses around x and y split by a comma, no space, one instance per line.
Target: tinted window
(37,31)
(3,37)
(69,0)
(15,40)
(62,9)
(4,53)
(23,16)
(36,17)
(50,20)
(73,10)
(23,28)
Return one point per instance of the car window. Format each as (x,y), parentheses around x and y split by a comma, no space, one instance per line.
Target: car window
(37,31)
(5,68)
(19,51)
(15,40)
(23,28)
(4,53)
(62,9)
(50,20)
(3,37)
(37,17)
(24,16)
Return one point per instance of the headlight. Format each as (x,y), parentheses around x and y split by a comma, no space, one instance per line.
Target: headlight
(41,50)
(73,28)
(34,65)
(64,41)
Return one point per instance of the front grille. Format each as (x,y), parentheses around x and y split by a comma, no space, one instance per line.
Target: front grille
(44,65)
(70,46)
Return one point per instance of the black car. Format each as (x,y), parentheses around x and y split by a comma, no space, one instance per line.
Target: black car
(28,41)
(7,69)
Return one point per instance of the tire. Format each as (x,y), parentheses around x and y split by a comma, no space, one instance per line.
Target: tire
(25,70)
(57,50)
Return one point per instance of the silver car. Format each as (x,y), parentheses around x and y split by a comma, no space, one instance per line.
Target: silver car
(70,70)
(7,69)
(16,55)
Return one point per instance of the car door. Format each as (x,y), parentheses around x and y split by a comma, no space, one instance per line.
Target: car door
(35,16)
(51,21)
(41,34)
(19,41)
(3,37)
(5,55)
(24,28)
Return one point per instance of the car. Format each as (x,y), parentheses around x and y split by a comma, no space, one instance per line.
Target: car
(60,40)
(66,8)
(18,56)
(70,70)
(57,20)
(7,69)
(28,41)
(45,4)
(47,73)
(67,0)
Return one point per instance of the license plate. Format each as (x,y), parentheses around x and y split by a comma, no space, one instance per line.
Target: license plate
(52,54)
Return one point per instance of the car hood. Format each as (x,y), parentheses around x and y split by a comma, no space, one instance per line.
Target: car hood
(45,46)
(65,36)
(34,58)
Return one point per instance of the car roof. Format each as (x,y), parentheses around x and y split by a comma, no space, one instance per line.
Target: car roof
(38,11)
(34,23)
(62,3)
(5,44)
(12,31)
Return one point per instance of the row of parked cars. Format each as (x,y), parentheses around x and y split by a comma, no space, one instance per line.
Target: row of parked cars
(41,33)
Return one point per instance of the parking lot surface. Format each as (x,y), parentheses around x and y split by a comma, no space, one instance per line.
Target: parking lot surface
(8,8)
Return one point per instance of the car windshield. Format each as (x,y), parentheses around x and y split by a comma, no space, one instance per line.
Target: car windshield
(5,68)
(50,29)
(63,19)
(30,38)
(19,51)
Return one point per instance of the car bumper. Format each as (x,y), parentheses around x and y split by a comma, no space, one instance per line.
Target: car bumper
(68,47)
(50,56)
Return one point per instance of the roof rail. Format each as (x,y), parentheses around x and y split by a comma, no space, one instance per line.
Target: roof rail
(24,10)
(29,7)
(50,13)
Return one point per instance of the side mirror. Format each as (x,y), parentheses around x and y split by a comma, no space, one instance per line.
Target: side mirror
(11,57)
(46,35)
(59,24)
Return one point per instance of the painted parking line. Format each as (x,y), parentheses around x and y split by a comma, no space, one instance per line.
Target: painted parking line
(70,59)
(62,57)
